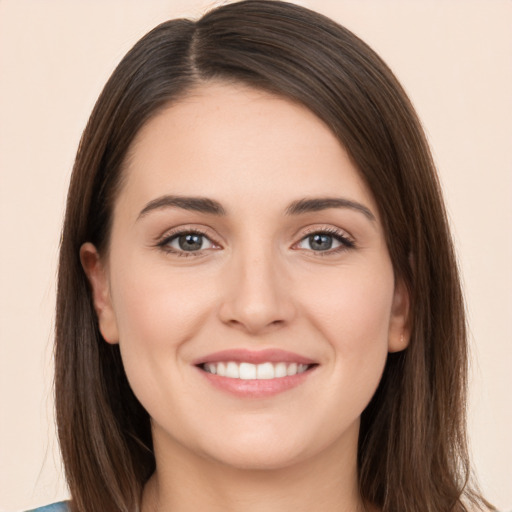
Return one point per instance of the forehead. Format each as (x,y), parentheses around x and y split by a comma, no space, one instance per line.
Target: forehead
(231,141)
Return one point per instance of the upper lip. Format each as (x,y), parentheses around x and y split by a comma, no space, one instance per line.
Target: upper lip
(240,355)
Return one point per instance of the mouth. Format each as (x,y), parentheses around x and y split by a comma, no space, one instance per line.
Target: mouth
(255,374)
(250,371)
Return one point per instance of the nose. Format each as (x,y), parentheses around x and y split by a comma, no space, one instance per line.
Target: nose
(256,294)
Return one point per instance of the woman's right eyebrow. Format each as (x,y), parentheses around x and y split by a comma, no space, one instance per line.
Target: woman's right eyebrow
(196,204)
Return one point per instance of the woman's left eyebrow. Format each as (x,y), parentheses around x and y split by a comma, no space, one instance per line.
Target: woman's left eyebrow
(317,204)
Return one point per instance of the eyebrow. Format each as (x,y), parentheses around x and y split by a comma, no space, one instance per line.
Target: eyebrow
(196,204)
(212,207)
(323,203)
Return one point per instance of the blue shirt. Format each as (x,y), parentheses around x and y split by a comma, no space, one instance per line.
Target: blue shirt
(61,506)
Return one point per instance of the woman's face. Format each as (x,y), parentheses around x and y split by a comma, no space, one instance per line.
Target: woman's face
(245,243)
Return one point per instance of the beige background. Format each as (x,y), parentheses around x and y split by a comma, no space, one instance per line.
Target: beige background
(453,57)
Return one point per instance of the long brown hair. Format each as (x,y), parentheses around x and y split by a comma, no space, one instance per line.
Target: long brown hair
(412,453)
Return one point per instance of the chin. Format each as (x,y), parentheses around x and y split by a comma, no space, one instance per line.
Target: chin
(263,453)
(264,460)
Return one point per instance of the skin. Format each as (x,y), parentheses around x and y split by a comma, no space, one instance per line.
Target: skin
(257,282)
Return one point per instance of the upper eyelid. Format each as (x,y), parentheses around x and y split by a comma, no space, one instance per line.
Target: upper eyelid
(331,230)
(174,232)
(324,229)
(342,236)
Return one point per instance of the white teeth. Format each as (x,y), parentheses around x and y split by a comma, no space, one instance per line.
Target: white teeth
(265,371)
(211,368)
(232,371)
(280,369)
(249,371)
(292,369)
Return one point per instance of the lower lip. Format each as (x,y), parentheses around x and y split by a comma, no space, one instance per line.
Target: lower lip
(253,388)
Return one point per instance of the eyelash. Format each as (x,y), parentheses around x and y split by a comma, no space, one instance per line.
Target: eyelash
(341,237)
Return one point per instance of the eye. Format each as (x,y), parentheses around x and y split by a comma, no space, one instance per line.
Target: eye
(190,241)
(328,241)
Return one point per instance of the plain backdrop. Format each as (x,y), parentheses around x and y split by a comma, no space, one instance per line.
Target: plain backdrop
(454,59)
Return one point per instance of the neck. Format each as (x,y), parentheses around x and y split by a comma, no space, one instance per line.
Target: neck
(186,482)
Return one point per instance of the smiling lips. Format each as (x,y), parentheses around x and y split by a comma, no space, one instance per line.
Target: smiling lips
(255,374)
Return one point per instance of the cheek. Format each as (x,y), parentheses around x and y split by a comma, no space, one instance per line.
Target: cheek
(158,308)
(155,308)
(351,308)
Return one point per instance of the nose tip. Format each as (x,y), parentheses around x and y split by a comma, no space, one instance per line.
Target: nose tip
(256,299)
(253,320)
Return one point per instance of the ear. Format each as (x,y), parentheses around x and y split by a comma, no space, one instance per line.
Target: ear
(97,275)
(399,323)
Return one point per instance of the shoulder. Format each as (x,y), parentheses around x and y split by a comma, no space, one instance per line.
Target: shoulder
(61,506)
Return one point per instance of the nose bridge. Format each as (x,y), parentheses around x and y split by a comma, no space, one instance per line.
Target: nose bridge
(256,298)
(257,275)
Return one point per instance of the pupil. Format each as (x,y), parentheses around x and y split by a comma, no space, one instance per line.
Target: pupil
(190,242)
(320,242)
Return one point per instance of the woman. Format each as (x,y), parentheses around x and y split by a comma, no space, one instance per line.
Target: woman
(258,301)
